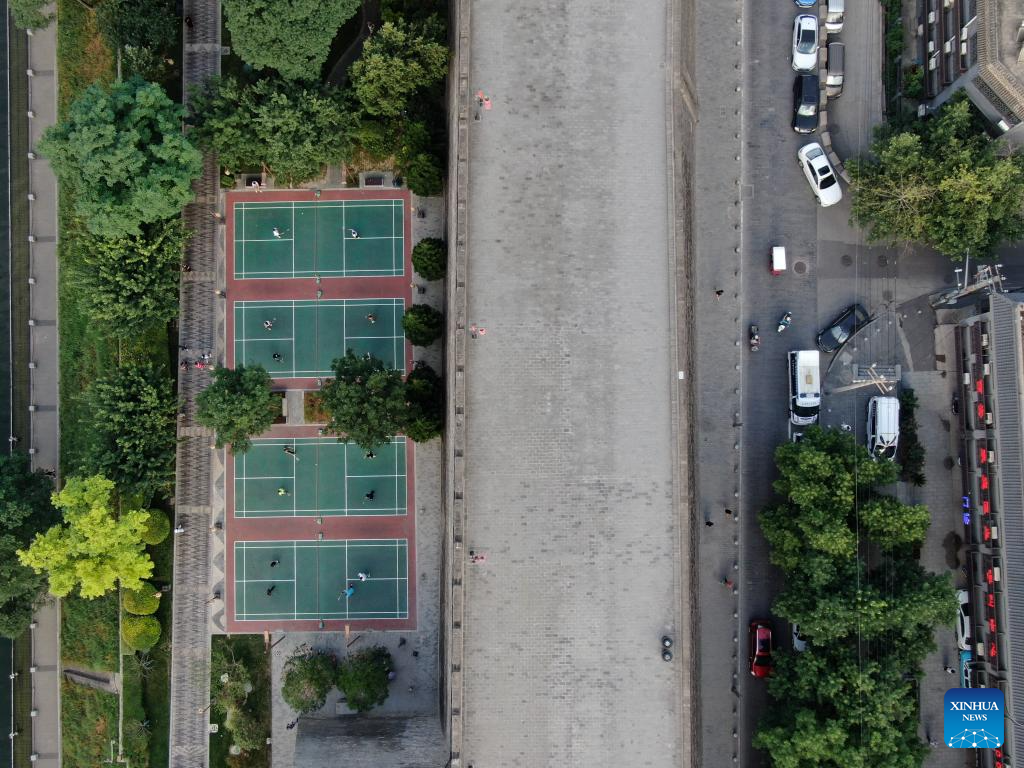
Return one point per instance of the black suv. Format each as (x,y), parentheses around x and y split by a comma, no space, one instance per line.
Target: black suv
(805,103)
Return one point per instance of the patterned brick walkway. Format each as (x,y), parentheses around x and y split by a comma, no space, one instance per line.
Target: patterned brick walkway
(199,330)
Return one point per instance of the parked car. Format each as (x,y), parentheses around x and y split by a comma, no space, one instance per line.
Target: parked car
(820,174)
(760,648)
(806,3)
(805,103)
(847,323)
(835,69)
(799,641)
(834,16)
(963,620)
(805,43)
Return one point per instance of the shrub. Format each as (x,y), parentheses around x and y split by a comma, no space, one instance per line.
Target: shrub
(246,731)
(910,453)
(308,676)
(363,678)
(141,602)
(422,174)
(158,527)
(139,633)
(430,258)
(422,325)
(424,396)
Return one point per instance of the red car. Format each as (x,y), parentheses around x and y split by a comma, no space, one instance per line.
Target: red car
(760,648)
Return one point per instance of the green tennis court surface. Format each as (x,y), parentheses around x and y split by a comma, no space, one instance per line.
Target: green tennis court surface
(337,238)
(323,478)
(309,578)
(307,336)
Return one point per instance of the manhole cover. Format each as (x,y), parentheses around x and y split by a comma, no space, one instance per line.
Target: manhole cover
(883,260)
(800,267)
(847,260)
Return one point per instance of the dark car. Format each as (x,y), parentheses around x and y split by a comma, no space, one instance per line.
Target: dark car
(805,103)
(760,648)
(835,334)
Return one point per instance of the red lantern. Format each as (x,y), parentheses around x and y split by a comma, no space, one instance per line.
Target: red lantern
(991,600)
(983,452)
(981,411)
(984,482)
(992,650)
(980,386)
(989,576)
(986,507)
(986,532)
(992,625)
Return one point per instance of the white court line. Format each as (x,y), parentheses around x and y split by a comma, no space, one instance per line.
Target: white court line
(295,592)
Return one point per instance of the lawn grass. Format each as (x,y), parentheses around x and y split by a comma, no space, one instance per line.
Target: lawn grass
(89,634)
(90,726)
(156,684)
(82,55)
(249,650)
(136,731)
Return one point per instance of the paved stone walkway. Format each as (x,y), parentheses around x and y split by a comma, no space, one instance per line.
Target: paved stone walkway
(201,317)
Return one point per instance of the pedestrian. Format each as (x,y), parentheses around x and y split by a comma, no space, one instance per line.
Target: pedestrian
(270,589)
(188,22)
(371,455)
(184,365)
(349,590)
(718,294)
(219,293)
(179,528)
(289,450)
(274,563)
(13,440)
(276,233)
(949,670)
(282,491)
(477,559)
(363,576)
(292,724)
(728,512)
(708,523)
(353,233)
(371,318)
(369,495)
(268,324)
(727,582)
(206,356)
(277,357)
(186,267)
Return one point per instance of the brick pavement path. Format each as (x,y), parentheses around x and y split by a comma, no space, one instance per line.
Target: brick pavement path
(199,330)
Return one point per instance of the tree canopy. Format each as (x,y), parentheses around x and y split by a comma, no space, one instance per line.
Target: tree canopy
(308,676)
(291,36)
(424,395)
(130,283)
(150,24)
(396,62)
(422,324)
(363,678)
(121,153)
(135,414)
(29,14)
(95,548)
(292,130)
(867,608)
(941,183)
(365,400)
(430,258)
(238,405)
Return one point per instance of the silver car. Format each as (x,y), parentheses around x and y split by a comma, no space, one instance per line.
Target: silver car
(805,43)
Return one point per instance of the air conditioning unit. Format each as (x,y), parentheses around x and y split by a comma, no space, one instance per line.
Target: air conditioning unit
(920,30)
(995,533)
(991,457)
(963,49)
(931,46)
(995,573)
(984,368)
(988,418)
(931,17)
(963,33)
(947,3)
(984,341)
(933,63)
(947,47)
(967,379)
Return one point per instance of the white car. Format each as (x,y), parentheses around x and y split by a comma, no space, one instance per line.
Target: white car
(963,624)
(820,174)
(805,43)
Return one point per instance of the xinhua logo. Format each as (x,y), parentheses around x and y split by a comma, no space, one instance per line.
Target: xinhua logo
(974,718)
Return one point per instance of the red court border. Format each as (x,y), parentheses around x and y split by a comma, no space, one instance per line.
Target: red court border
(307,528)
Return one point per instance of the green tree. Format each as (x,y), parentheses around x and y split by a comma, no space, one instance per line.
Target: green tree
(157,528)
(121,152)
(232,682)
(150,24)
(363,678)
(246,730)
(130,283)
(95,548)
(396,63)
(291,130)
(29,14)
(141,602)
(430,258)
(20,588)
(424,396)
(418,160)
(135,415)
(291,36)
(422,324)
(308,676)
(941,183)
(365,401)
(140,633)
(238,405)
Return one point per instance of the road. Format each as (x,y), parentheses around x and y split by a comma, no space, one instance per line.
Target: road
(569,435)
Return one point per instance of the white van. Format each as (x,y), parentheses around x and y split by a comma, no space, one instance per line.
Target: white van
(834,16)
(804,387)
(883,427)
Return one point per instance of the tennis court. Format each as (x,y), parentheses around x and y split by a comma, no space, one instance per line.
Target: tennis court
(303,338)
(299,579)
(325,238)
(320,477)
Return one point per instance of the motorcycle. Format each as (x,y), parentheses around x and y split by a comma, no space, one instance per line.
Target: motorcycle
(784,321)
(755,339)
